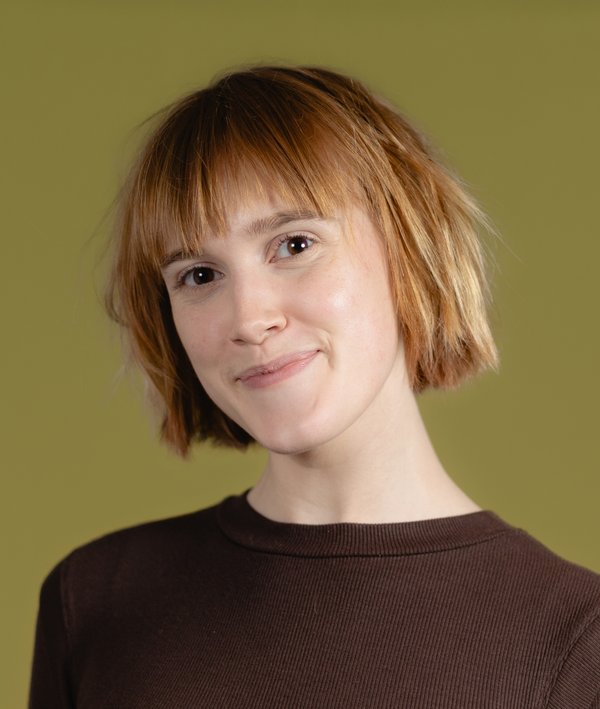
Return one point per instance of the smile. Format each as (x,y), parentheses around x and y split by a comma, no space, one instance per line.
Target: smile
(277,370)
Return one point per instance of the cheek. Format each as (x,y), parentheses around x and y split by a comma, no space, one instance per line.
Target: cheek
(359,301)
(199,336)
(201,339)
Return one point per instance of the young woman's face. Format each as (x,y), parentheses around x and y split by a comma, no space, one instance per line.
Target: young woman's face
(289,324)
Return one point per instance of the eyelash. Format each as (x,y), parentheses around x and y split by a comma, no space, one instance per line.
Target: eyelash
(280,241)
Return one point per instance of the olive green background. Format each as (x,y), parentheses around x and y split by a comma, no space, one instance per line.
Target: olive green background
(509,91)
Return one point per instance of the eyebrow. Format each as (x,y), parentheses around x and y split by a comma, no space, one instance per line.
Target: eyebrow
(259,226)
(277,220)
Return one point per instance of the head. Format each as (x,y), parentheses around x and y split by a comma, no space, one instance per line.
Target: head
(318,143)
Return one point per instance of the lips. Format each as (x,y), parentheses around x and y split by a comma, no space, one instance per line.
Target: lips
(276,364)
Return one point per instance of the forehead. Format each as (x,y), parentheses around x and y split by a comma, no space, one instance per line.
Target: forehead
(261,210)
(252,208)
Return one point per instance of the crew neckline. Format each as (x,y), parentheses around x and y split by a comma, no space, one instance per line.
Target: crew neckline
(242,524)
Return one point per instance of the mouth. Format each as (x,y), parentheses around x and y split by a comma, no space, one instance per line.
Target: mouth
(276,370)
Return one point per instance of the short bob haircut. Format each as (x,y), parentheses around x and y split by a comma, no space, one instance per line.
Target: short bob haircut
(320,140)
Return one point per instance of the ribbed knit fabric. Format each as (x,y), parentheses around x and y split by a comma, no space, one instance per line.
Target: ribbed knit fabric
(226,608)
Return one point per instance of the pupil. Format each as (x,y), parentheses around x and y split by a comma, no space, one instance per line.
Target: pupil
(297,245)
(201,276)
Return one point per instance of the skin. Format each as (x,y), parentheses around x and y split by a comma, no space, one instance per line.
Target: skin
(345,438)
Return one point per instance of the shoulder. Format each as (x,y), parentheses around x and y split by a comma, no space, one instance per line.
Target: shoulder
(559,601)
(123,559)
(532,560)
(535,575)
(107,585)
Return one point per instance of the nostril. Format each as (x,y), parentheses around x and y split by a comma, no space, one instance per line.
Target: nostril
(256,331)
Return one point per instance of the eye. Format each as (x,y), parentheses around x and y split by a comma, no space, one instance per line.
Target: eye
(293,245)
(198,276)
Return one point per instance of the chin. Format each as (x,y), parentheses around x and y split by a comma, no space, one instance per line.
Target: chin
(288,442)
(289,447)
(294,439)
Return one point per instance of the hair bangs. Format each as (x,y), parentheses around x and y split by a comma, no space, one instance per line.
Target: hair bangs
(207,161)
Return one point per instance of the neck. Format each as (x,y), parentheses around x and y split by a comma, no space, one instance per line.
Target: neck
(382,469)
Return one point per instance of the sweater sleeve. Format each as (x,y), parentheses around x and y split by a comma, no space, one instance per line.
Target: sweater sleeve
(577,685)
(49,687)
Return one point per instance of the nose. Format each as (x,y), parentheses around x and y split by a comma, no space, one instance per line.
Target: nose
(257,313)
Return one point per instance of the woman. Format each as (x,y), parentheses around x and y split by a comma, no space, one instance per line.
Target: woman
(292,267)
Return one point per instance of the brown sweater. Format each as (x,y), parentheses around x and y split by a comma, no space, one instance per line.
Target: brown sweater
(226,608)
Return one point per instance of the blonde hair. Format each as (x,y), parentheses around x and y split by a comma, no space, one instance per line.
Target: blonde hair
(321,140)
